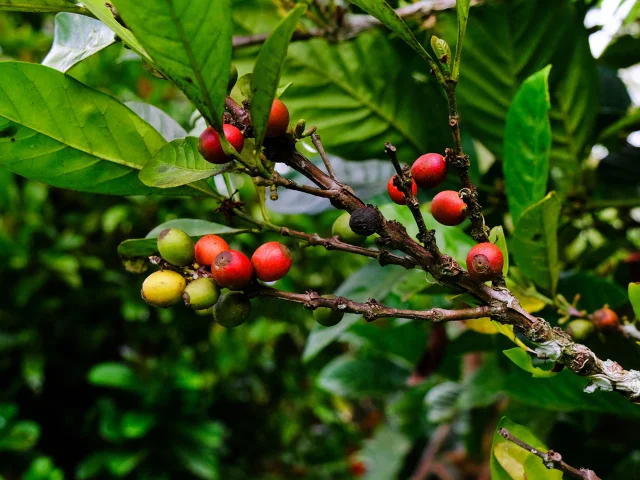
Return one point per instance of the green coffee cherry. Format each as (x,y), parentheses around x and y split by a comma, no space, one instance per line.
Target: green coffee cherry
(326,316)
(176,247)
(342,229)
(163,289)
(232,309)
(201,294)
(207,312)
(580,329)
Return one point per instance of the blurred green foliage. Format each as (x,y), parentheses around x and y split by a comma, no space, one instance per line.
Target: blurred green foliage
(96,384)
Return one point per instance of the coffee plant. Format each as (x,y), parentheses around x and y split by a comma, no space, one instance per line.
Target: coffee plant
(441,158)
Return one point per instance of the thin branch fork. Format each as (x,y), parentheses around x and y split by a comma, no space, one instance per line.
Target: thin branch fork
(404,183)
(371,309)
(552,460)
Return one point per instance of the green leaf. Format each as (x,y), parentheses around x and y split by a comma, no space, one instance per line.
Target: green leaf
(384,453)
(345,90)
(75,38)
(164,124)
(511,462)
(522,359)
(634,297)
(442,51)
(622,52)
(462,15)
(100,10)
(351,377)
(190,43)
(594,290)
(42,6)
(627,124)
(496,236)
(123,463)
(203,463)
(20,436)
(116,375)
(388,17)
(58,131)
(527,143)
(531,35)
(143,247)
(358,287)
(136,424)
(266,72)
(535,244)
(179,163)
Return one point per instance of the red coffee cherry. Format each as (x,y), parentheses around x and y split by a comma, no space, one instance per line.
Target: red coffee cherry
(271,261)
(232,269)
(605,319)
(396,195)
(278,119)
(429,170)
(485,262)
(448,208)
(211,148)
(208,248)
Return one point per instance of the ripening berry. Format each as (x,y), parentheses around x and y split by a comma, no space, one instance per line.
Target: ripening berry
(176,247)
(201,294)
(342,230)
(396,195)
(163,289)
(448,208)
(605,319)
(211,148)
(232,269)
(208,248)
(365,221)
(580,329)
(429,170)
(327,317)
(231,309)
(271,261)
(485,262)
(278,119)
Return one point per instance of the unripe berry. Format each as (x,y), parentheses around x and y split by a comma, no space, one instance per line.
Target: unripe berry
(605,319)
(271,261)
(210,147)
(365,221)
(232,269)
(485,262)
(327,317)
(342,230)
(278,119)
(208,248)
(580,329)
(201,294)
(396,195)
(448,208)
(429,170)
(231,309)
(163,289)
(176,247)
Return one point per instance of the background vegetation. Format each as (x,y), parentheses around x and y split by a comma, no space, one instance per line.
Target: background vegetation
(95,384)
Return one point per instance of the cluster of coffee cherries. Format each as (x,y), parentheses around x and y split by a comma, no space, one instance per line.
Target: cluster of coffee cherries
(210,147)
(216,266)
(603,320)
(484,261)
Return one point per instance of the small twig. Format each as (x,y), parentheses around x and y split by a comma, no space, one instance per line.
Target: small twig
(384,257)
(404,183)
(435,442)
(371,309)
(552,460)
(315,138)
(281,181)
